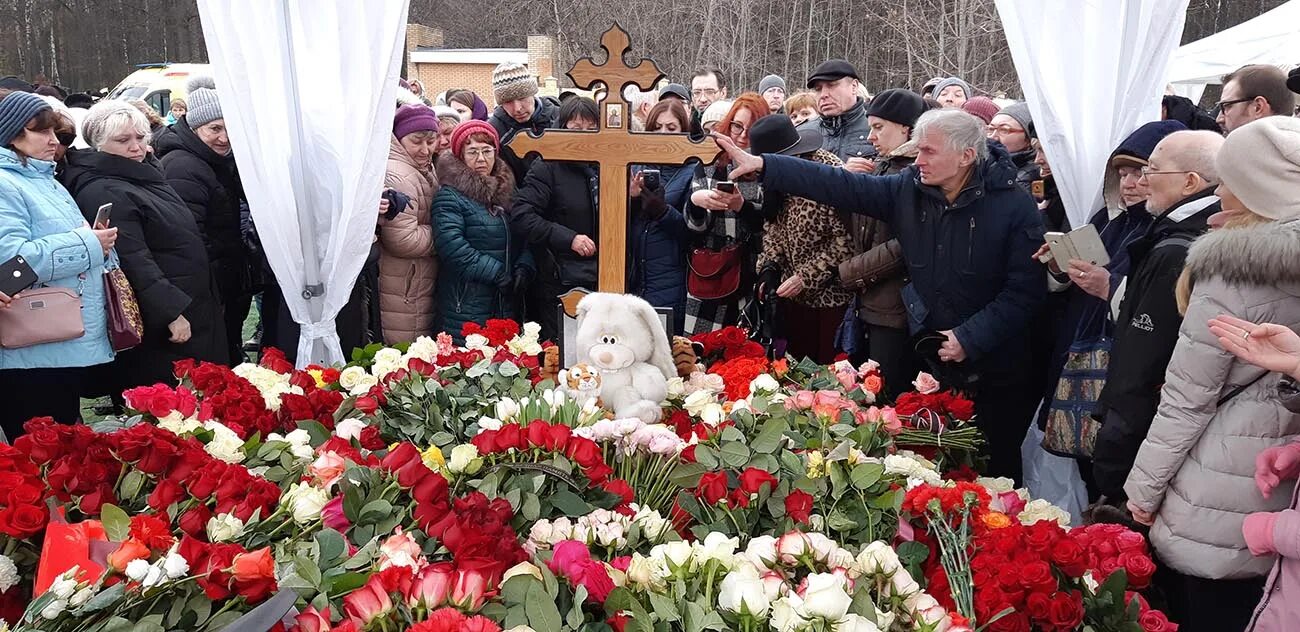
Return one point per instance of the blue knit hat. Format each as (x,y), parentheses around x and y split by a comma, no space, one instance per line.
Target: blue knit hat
(15,111)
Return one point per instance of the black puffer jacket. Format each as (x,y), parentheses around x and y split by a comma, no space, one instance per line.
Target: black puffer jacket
(845,135)
(209,185)
(556,203)
(163,257)
(544,114)
(1026,170)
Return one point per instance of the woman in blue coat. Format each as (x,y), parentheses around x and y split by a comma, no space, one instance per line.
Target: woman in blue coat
(483,271)
(41,222)
(657,230)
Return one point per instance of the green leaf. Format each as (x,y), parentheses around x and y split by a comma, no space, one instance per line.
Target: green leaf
(865,475)
(687,474)
(664,606)
(317,431)
(222,621)
(347,582)
(104,599)
(331,544)
(132,483)
(769,438)
(515,589)
(542,612)
(117,525)
(508,369)
(532,508)
(375,511)
(575,616)
(116,624)
(308,570)
(151,623)
(839,482)
(706,456)
(735,454)
(569,503)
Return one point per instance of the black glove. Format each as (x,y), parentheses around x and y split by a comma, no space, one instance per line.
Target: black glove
(768,280)
(505,283)
(397,202)
(521,280)
(653,204)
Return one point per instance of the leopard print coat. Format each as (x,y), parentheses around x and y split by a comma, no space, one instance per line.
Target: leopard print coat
(810,239)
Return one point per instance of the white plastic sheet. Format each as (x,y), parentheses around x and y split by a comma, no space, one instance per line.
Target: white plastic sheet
(308,89)
(1092,72)
(1272,38)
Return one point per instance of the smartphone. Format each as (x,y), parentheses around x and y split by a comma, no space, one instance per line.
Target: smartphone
(726,186)
(102,215)
(650,179)
(16,276)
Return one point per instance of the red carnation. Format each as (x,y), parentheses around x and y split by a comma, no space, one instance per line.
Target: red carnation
(153,531)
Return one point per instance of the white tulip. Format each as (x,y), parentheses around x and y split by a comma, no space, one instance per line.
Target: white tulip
(742,591)
(824,598)
(506,409)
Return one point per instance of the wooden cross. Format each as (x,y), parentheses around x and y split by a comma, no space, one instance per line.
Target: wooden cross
(614,148)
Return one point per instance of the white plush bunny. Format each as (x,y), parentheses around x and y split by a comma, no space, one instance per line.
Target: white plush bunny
(622,336)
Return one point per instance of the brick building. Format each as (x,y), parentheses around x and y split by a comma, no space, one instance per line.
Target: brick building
(438,68)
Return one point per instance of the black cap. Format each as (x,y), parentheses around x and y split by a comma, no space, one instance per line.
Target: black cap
(676,90)
(1293,80)
(776,134)
(832,69)
(897,105)
(18,85)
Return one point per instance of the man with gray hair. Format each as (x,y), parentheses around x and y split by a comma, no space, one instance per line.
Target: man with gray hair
(968,234)
(1181,177)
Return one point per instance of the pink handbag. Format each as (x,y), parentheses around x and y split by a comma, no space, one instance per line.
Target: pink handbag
(41,315)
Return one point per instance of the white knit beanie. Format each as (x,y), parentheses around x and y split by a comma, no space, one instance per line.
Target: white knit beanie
(1260,164)
(511,81)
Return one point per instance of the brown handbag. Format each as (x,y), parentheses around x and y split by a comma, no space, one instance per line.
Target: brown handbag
(41,315)
(125,325)
(714,274)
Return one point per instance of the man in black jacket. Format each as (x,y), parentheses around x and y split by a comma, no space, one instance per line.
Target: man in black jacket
(519,109)
(967,233)
(1181,177)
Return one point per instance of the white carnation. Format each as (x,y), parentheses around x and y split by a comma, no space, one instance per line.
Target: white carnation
(9,576)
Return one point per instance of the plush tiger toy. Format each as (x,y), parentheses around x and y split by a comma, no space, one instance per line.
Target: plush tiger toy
(582,381)
(685,356)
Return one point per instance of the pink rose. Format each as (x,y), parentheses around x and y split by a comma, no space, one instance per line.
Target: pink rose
(400,550)
(889,419)
(1012,503)
(326,469)
(801,400)
(867,368)
(1131,541)
(333,517)
(925,383)
(848,378)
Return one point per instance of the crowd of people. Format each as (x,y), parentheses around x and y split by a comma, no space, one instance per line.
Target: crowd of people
(908,227)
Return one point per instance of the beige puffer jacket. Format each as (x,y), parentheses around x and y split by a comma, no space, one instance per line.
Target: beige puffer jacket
(1197,464)
(408,266)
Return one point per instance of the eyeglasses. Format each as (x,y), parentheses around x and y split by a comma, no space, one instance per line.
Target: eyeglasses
(475,154)
(737,128)
(1221,105)
(1148,171)
(1003,129)
(711,92)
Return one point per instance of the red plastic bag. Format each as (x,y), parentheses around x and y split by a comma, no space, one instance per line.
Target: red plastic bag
(67,545)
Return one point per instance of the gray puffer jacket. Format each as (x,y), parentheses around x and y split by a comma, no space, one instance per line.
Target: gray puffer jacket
(1196,467)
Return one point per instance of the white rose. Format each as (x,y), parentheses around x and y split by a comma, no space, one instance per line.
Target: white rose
(488,423)
(695,402)
(224,527)
(713,414)
(175,565)
(53,609)
(791,547)
(81,597)
(9,576)
(676,554)
(153,577)
(764,383)
(716,546)
(878,558)
(647,572)
(774,585)
(840,558)
(742,591)
(521,628)
(676,388)
(225,444)
(424,348)
(997,485)
(855,623)
(349,429)
(351,377)
(653,525)
(464,458)
(1039,509)
(761,551)
(476,341)
(387,360)
(824,598)
(786,615)
(903,585)
(179,425)
(308,503)
(822,546)
(137,569)
(541,531)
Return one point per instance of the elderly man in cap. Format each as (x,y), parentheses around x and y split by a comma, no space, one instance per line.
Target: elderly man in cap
(843,121)
(967,234)
(772,88)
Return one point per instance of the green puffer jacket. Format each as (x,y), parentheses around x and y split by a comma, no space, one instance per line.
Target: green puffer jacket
(479,259)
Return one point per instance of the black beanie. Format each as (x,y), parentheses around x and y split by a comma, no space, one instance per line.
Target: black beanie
(897,105)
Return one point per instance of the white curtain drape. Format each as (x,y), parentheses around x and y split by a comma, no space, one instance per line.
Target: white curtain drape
(308,88)
(1092,72)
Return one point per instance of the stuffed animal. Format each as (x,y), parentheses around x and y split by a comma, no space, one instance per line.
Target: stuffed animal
(685,356)
(623,338)
(582,381)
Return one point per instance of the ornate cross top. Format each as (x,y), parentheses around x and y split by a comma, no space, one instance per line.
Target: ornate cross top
(613,147)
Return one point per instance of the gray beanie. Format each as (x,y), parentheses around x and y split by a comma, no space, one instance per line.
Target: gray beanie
(1020,112)
(15,111)
(204,105)
(769,82)
(952,81)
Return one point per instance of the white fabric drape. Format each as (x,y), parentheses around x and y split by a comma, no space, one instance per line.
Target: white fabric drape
(1271,38)
(308,89)
(1092,72)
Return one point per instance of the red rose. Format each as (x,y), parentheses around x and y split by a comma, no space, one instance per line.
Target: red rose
(732,336)
(1039,606)
(582,451)
(511,436)
(25,493)
(739,499)
(536,432)
(557,436)
(166,493)
(1014,622)
(1069,557)
(1037,577)
(1155,621)
(22,521)
(753,479)
(798,505)
(431,488)
(485,441)
(370,438)
(688,455)
(195,521)
(712,487)
(1139,567)
(1066,610)
(620,487)
(400,456)
(366,404)
(598,472)
(43,441)
(91,503)
(1041,535)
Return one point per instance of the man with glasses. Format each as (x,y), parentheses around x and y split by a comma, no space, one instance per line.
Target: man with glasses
(1251,93)
(707,86)
(843,121)
(1180,176)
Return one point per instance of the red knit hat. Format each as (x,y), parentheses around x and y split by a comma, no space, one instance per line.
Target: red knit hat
(463,131)
(982,107)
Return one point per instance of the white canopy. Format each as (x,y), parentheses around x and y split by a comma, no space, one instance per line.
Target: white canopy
(308,89)
(1272,38)
(1092,72)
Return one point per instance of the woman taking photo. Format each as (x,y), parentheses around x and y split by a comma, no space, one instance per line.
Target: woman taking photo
(725,220)
(40,222)
(160,248)
(555,214)
(657,231)
(408,263)
(484,269)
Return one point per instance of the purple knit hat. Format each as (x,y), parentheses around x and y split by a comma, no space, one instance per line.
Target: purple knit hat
(480,111)
(414,118)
